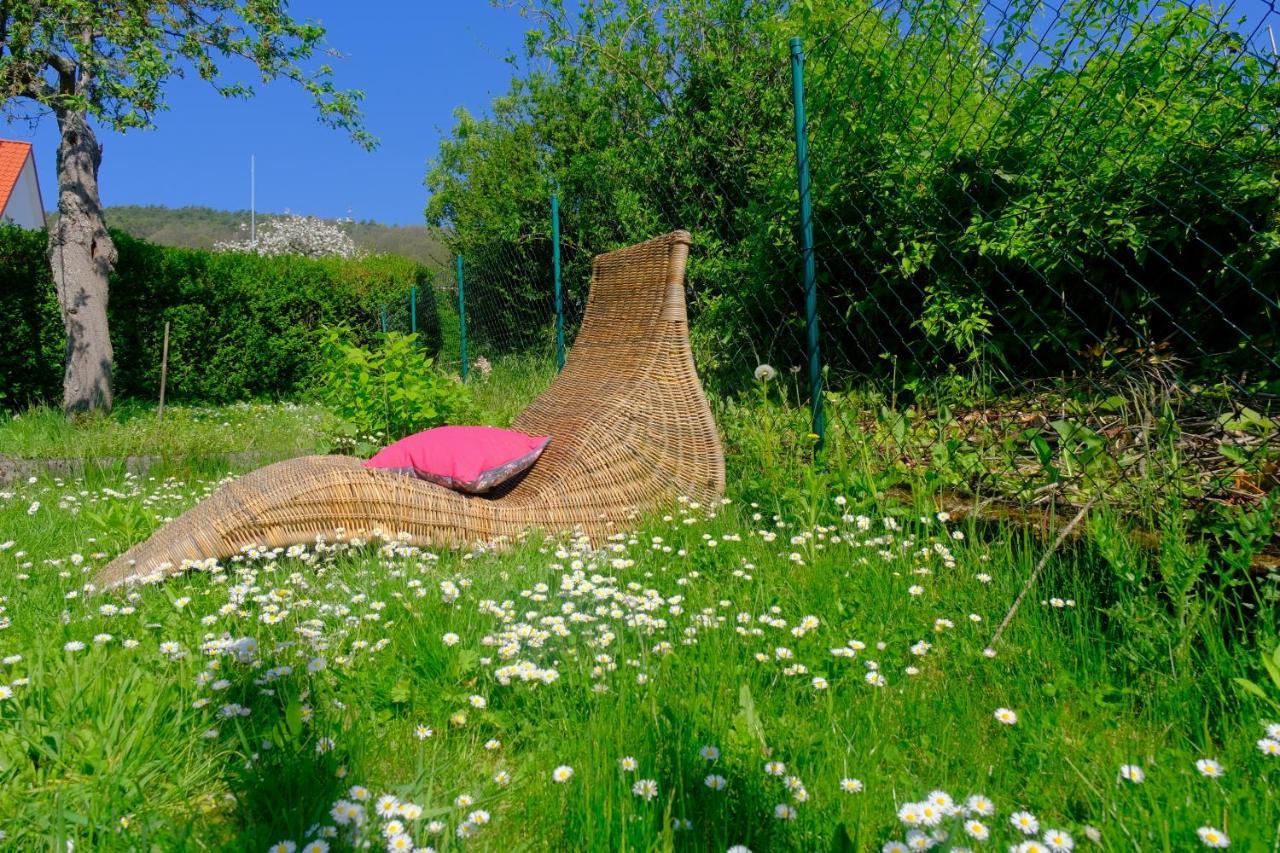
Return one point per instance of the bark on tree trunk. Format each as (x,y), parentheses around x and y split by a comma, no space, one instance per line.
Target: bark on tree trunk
(81,256)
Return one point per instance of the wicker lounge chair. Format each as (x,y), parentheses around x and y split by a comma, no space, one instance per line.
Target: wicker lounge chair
(630,432)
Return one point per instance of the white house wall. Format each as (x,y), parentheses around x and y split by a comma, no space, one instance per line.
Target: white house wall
(25,206)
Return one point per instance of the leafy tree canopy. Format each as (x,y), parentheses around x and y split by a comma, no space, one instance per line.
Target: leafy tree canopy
(112,59)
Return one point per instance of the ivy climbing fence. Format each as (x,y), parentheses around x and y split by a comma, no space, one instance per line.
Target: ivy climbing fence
(1025,254)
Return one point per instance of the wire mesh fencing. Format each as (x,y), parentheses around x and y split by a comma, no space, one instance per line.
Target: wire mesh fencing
(1054,231)
(1045,239)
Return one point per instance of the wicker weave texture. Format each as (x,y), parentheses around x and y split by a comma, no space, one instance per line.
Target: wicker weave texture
(631,431)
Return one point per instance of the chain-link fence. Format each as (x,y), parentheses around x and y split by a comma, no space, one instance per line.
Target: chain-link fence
(1045,240)
(1057,228)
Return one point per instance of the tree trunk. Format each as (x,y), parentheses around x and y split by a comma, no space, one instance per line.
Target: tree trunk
(82,255)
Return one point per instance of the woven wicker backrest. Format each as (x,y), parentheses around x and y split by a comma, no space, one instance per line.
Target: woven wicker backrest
(629,380)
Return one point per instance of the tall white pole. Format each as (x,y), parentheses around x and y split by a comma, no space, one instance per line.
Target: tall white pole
(253,202)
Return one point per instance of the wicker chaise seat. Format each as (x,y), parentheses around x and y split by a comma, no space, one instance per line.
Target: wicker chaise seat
(630,432)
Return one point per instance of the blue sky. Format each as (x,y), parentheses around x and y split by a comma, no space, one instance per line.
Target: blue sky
(417,60)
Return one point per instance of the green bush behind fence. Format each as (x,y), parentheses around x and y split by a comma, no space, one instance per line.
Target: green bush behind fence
(1033,189)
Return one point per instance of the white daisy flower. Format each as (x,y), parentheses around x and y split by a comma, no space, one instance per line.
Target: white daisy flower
(1211,837)
(1059,841)
(1210,768)
(1133,773)
(387,806)
(1025,822)
(645,788)
(980,805)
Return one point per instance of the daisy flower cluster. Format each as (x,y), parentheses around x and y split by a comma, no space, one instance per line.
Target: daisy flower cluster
(940,818)
(360,820)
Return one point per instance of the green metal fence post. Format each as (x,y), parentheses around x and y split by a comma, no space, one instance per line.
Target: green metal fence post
(462,322)
(555,263)
(413,310)
(384,319)
(806,241)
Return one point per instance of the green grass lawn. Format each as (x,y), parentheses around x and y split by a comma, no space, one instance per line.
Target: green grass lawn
(502,391)
(186,433)
(808,673)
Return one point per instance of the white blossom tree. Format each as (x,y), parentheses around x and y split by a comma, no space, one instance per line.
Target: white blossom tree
(292,234)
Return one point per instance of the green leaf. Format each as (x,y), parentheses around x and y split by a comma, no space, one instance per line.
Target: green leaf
(748,717)
(293,717)
(465,661)
(1233,453)
(1249,687)
(1273,670)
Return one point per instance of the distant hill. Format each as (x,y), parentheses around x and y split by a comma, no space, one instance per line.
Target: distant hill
(201,227)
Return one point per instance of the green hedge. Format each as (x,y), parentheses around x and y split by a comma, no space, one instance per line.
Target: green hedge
(31,346)
(241,325)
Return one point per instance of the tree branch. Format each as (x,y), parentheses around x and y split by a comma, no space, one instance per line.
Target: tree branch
(38,89)
(64,66)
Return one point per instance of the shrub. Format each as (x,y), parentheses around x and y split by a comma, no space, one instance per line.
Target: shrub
(31,347)
(241,325)
(385,393)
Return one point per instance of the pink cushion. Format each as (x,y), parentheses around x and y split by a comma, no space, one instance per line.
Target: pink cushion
(464,458)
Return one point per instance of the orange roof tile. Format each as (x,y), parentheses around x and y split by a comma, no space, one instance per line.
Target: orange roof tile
(13,156)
